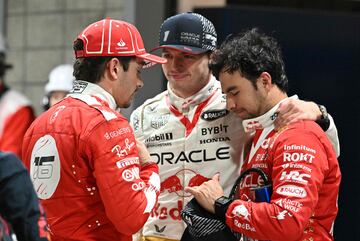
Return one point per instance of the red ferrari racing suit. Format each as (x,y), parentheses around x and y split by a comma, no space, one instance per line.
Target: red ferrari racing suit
(85,168)
(16,115)
(305,175)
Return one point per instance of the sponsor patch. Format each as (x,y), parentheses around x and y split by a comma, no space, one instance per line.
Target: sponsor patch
(166,212)
(131,174)
(296,157)
(296,166)
(215,139)
(127,162)
(201,155)
(214,130)
(261,157)
(291,191)
(244,226)
(159,230)
(295,176)
(159,121)
(241,211)
(56,113)
(160,137)
(137,186)
(79,87)
(176,182)
(123,151)
(211,115)
(288,204)
(116,133)
(252,126)
(298,148)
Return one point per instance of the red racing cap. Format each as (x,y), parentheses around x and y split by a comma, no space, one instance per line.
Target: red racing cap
(110,37)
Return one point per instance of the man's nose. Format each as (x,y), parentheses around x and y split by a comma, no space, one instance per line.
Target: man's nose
(230,104)
(178,63)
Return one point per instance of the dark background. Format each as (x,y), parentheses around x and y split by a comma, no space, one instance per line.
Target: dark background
(321,47)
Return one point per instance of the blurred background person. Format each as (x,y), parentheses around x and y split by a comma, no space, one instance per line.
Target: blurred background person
(19,205)
(16,112)
(61,80)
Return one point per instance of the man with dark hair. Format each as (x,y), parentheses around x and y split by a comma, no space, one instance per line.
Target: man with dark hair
(187,128)
(95,180)
(298,159)
(16,112)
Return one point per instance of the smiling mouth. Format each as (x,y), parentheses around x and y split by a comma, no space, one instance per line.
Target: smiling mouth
(178,76)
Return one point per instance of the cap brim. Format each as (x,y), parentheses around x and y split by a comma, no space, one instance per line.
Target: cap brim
(152,58)
(182,48)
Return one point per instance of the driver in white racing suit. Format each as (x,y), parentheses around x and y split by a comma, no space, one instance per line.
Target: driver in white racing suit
(187,129)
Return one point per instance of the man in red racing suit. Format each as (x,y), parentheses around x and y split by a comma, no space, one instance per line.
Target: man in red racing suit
(298,158)
(93,178)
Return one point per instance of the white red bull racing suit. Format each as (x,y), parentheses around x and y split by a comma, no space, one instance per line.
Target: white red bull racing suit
(85,168)
(191,140)
(302,165)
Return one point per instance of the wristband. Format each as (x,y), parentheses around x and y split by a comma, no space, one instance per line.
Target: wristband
(324,121)
(221,206)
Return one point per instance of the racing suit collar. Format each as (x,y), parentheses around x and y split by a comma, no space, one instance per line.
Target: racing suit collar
(82,88)
(183,104)
(265,120)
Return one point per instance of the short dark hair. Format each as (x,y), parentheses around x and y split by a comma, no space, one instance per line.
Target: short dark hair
(251,53)
(91,69)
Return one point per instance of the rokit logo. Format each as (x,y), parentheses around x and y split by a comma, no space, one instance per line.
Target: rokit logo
(160,137)
(211,115)
(295,157)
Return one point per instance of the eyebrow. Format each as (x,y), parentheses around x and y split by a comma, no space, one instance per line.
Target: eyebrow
(229,89)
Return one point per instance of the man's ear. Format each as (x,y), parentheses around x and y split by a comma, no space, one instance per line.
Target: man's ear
(265,81)
(113,68)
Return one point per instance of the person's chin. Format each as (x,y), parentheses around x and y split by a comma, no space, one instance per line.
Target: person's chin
(127,104)
(243,115)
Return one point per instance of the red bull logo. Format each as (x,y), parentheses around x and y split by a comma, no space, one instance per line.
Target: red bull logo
(171,184)
(185,177)
(197,180)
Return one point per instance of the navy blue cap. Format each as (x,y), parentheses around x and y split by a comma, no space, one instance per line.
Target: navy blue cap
(188,32)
